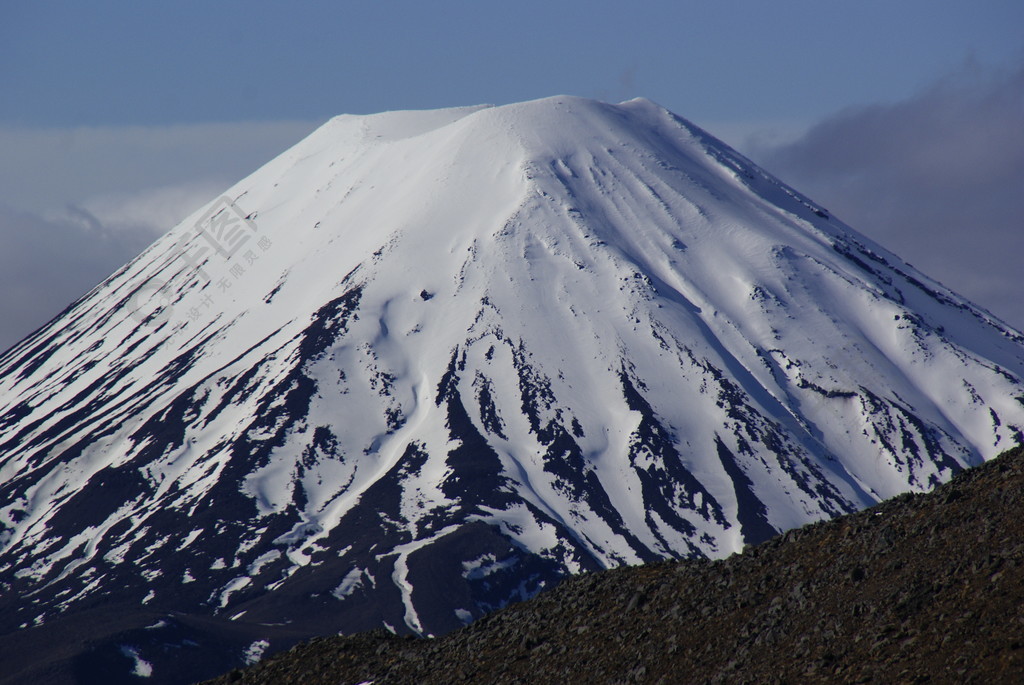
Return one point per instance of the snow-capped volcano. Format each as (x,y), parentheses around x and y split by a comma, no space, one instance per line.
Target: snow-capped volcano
(424,363)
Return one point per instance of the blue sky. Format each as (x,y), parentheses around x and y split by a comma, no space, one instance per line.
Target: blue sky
(117,118)
(130,62)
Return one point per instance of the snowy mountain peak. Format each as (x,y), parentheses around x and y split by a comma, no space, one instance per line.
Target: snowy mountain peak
(423,364)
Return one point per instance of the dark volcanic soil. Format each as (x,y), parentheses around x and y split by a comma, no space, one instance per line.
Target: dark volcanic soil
(922,588)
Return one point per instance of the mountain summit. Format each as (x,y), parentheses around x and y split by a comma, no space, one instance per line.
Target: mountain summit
(424,364)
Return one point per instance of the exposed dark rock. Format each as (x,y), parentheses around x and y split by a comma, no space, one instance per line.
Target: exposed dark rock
(921,588)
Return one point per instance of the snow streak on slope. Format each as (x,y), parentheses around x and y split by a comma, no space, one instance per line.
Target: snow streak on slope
(464,352)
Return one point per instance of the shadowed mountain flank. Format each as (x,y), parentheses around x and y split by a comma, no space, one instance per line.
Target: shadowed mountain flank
(921,588)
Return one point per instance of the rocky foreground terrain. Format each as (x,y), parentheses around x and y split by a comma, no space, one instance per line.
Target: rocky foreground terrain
(921,588)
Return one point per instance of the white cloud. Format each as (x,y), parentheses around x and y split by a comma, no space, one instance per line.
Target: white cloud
(52,168)
(76,204)
(151,211)
(48,262)
(755,135)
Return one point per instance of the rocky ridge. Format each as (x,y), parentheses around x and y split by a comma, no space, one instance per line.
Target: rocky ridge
(920,588)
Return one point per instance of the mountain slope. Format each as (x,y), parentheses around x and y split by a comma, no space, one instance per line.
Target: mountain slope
(424,364)
(922,588)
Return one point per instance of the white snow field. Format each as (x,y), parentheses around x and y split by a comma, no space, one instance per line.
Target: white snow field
(423,364)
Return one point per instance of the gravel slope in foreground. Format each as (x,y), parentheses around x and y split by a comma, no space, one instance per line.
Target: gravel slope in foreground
(921,588)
